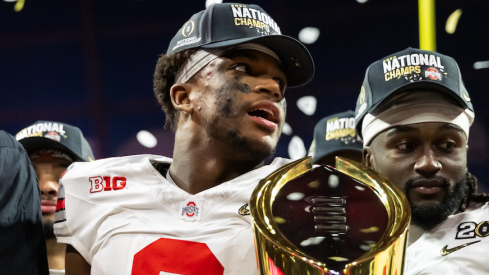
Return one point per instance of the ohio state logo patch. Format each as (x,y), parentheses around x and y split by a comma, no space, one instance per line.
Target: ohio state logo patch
(191,210)
(54,136)
(432,74)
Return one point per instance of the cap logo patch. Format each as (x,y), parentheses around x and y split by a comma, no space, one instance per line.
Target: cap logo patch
(343,128)
(53,136)
(55,131)
(188,28)
(409,66)
(466,97)
(254,18)
(187,41)
(432,74)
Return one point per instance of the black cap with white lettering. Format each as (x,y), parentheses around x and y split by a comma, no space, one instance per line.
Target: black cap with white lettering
(335,135)
(228,24)
(410,69)
(52,135)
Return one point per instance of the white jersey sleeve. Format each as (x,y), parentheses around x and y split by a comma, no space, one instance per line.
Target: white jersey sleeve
(457,246)
(124,217)
(86,191)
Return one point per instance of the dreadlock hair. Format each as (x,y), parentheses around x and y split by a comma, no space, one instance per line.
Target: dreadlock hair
(472,196)
(164,78)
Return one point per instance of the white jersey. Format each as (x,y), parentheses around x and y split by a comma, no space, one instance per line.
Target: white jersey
(459,245)
(124,217)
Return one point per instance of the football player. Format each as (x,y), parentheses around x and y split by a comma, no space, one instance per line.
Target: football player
(221,85)
(414,115)
(52,147)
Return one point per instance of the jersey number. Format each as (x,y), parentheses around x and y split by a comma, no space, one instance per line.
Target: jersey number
(176,257)
(466,230)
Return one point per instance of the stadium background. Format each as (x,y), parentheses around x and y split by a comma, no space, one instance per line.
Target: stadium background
(90,63)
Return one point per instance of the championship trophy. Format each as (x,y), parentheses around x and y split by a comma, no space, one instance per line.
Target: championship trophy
(325,220)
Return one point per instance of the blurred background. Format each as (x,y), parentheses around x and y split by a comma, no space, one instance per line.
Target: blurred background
(90,64)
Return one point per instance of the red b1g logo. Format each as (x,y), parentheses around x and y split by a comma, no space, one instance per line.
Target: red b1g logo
(98,184)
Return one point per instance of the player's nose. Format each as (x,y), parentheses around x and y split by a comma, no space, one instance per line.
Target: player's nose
(48,187)
(428,163)
(269,85)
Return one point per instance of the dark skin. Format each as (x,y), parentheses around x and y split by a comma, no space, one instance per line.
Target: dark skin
(216,132)
(210,116)
(48,171)
(424,160)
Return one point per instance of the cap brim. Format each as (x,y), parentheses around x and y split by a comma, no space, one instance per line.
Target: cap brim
(33,144)
(296,59)
(422,85)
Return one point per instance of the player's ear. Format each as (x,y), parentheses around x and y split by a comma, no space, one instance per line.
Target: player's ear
(179,94)
(367,156)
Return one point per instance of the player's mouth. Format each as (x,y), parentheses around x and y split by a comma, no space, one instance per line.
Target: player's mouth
(266,114)
(48,206)
(427,190)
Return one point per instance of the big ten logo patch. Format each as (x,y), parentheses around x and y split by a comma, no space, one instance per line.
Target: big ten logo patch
(469,230)
(253,18)
(99,184)
(409,66)
(337,128)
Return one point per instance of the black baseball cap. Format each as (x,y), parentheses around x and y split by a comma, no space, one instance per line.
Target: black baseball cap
(45,135)
(335,134)
(228,24)
(410,69)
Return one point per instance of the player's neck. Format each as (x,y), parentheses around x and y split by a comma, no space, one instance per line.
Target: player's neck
(56,254)
(200,165)
(198,172)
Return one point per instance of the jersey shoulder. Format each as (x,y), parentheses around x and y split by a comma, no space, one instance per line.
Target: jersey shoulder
(85,178)
(473,215)
(123,164)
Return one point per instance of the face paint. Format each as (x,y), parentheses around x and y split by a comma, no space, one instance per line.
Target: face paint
(228,105)
(226,99)
(228,95)
(242,87)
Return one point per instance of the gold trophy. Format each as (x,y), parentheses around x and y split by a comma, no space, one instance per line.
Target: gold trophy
(325,220)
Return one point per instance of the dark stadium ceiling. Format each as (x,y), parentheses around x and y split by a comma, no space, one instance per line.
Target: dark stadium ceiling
(90,63)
